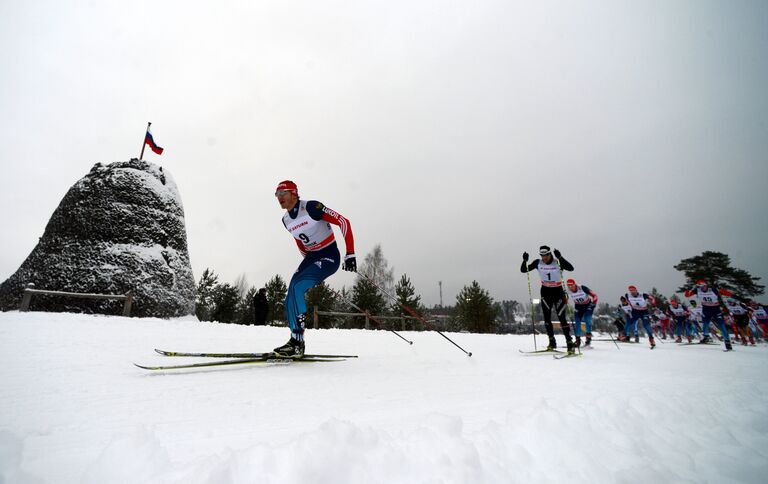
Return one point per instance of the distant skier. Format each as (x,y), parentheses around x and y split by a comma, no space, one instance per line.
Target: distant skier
(584,302)
(680,314)
(760,315)
(664,323)
(697,316)
(640,311)
(630,328)
(552,294)
(709,298)
(309,222)
(740,314)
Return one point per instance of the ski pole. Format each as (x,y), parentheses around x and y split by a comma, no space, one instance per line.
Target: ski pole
(533,311)
(413,313)
(375,320)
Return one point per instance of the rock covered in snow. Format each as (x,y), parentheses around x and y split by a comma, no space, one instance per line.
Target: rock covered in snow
(118,229)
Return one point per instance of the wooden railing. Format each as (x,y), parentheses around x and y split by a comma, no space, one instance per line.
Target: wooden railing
(316,317)
(29,291)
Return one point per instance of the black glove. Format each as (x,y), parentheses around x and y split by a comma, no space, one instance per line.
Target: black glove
(525,256)
(350,263)
(557,253)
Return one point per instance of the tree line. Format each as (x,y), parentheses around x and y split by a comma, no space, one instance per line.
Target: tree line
(474,310)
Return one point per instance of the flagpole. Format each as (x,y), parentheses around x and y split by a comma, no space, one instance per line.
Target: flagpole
(144,142)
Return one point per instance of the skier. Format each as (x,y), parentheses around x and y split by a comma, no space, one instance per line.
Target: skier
(696,317)
(664,321)
(309,222)
(629,327)
(584,302)
(760,316)
(680,314)
(552,294)
(740,315)
(709,298)
(260,307)
(639,303)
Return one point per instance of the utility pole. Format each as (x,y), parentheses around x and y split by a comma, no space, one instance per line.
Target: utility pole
(440,283)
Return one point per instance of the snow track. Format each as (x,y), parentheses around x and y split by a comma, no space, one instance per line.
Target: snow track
(73,408)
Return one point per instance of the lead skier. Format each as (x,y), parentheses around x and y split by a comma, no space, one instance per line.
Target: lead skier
(709,300)
(552,294)
(309,222)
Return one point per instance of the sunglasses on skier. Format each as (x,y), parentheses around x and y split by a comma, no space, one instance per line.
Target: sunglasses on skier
(280,193)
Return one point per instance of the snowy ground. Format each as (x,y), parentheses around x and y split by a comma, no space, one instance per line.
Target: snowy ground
(74,409)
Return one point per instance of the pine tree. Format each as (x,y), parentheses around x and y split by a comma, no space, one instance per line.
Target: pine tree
(226,298)
(276,292)
(715,268)
(204,297)
(476,312)
(406,295)
(368,298)
(245,310)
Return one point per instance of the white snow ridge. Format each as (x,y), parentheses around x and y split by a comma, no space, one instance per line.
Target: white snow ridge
(74,409)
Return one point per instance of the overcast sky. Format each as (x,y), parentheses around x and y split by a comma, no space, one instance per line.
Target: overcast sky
(456,134)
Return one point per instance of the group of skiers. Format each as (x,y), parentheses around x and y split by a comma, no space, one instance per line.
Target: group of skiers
(748,318)
(309,222)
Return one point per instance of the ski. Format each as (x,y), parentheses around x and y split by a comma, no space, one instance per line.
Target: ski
(239,355)
(539,352)
(271,360)
(572,355)
(698,344)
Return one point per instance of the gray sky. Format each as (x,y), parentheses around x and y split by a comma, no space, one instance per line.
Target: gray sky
(457,134)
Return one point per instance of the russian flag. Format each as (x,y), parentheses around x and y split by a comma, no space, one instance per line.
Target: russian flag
(149,140)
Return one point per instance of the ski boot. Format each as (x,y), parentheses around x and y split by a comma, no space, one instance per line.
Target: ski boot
(679,340)
(588,342)
(637,339)
(751,341)
(571,347)
(653,343)
(706,340)
(292,349)
(690,339)
(728,346)
(578,342)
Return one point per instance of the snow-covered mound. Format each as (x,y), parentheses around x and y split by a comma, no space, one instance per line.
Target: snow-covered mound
(119,228)
(74,409)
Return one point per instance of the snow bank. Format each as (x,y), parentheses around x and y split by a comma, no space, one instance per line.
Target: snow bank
(75,409)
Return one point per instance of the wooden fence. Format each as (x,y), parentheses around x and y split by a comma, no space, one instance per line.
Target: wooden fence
(127,298)
(368,317)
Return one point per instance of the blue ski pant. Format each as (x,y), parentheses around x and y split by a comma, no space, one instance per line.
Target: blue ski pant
(630,326)
(583,314)
(719,321)
(313,270)
(645,317)
(680,323)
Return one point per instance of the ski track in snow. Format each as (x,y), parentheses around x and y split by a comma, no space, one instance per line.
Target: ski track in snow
(74,409)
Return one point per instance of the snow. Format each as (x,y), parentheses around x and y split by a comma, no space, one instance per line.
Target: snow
(74,409)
